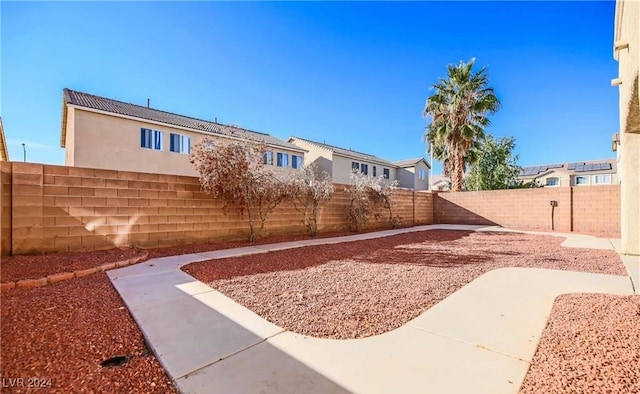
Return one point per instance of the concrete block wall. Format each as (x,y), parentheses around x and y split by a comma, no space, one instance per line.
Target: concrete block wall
(582,209)
(596,209)
(50,208)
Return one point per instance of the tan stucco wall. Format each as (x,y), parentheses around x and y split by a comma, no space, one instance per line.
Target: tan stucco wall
(406,177)
(627,30)
(96,140)
(69,143)
(342,169)
(421,184)
(320,156)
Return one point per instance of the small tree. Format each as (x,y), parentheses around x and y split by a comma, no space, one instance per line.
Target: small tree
(309,188)
(380,193)
(495,166)
(235,171)
(365,194)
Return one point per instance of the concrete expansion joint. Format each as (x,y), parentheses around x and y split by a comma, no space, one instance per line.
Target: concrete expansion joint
(195,371)
(477,345)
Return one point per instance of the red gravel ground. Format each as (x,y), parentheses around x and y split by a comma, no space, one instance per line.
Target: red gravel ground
(207,247)
(61,333)
(15,268)
(364,288)
(591,345)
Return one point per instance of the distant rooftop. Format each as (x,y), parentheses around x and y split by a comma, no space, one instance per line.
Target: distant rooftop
(410,162)
(137,111)
(586,166)
(347,152)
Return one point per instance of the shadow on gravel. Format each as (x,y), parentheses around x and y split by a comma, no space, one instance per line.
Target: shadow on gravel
(310,256)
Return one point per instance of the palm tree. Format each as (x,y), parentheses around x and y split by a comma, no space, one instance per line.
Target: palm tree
(458,110)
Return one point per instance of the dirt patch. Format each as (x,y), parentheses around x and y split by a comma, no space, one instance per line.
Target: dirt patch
(363,288)
(62,333)
(590,345)
(14,268)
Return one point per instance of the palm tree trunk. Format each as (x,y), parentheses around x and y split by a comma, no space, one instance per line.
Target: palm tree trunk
(458,171)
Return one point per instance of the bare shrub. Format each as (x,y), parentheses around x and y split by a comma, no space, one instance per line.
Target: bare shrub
(309,188)
(235,172)
(365,195)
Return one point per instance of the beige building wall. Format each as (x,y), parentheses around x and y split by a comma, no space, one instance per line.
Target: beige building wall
(627,53)
(100,140)
(342,169)
(320,156)
(421,184)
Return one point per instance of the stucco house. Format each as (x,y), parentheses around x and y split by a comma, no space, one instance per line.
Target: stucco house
(413,173)
(626,50)
(4,153)
(588,173)
(339,163)
(99,132)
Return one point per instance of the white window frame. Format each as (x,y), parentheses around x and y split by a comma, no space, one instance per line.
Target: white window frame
(183,143)
(283,160)
(386,173)
(421,174)
(151,139)
(364,168)
(268,158)
(605,176)
(296,161)
(555,179)
(586,180)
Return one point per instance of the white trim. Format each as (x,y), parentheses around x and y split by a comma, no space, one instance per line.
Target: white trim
(154,122)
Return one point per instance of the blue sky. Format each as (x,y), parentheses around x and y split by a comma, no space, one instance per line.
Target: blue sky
(353,74)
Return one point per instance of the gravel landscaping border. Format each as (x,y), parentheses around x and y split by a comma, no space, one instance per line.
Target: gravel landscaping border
(59,335)
(362,288)
(591,344)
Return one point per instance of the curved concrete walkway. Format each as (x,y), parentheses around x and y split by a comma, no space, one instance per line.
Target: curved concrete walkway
(480,339)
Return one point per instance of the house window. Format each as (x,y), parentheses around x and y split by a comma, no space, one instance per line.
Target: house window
(552,181)
(374,171)
(151,139)
(355,166)
(296,161)
(385,173)
(582,180)
(179,143)
(283,160)
(602,179)
(421,174)
(364,168)
(268,158)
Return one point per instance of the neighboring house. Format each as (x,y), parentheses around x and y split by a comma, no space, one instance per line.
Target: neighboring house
(590,173)
(413,173)
(98,132)
(441,183)
(4,153)
(340,162)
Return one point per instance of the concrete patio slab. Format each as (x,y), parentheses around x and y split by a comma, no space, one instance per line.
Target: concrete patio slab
(148,289)
(488,318)
(406,360)
(209,343)
(223,253)
(259,369)
(238,313)
(187,335)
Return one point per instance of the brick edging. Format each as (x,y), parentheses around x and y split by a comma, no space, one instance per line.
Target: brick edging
(61,276)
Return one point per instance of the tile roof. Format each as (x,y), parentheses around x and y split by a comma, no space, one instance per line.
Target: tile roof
(137,111)
(410,162)
(348,152)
